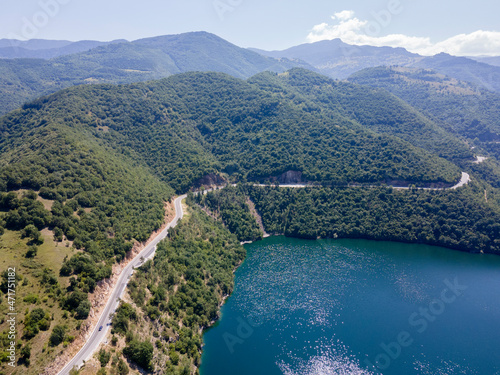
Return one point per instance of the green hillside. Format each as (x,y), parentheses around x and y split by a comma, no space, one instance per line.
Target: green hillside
(85,208)
(375,109)
(460,108)
(466,109)
(190,125)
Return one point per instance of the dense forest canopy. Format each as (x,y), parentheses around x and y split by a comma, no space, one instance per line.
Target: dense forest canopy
(186,282)
(375,109)
(193,124)
(462,108)
(85,174)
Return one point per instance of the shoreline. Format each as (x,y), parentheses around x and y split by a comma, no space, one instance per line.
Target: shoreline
(373,239)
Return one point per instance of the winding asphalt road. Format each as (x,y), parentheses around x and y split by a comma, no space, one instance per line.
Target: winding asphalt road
(148,252)
(98,335)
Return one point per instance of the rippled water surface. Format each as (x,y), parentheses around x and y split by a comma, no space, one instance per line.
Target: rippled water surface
(358,307)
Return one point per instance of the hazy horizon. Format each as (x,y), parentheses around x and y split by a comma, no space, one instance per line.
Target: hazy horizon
(424,27)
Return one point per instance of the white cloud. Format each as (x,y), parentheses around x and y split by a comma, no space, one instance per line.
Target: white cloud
(474,44)
(352,30)
(344,15)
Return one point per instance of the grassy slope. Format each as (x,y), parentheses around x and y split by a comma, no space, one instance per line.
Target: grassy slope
(50,255)
(125,201)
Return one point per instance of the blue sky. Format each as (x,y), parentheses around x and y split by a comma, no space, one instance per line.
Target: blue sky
(425,26)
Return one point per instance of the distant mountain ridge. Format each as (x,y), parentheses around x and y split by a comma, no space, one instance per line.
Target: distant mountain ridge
(34,44)
(339,60)
(459,104)
(464,69)
(491,60)
(46,49)
(146,59)
(22,80)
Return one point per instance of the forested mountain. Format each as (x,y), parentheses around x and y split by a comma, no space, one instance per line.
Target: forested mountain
(376,110)
(194,124)
(85,208)
(25,78)
(467,109)
(142,60)
(339,60)
(85,174)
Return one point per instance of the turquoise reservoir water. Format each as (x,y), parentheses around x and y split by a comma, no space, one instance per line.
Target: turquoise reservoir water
(358,307)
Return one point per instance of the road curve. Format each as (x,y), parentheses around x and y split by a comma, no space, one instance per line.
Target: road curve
(97,335)
(464,180)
